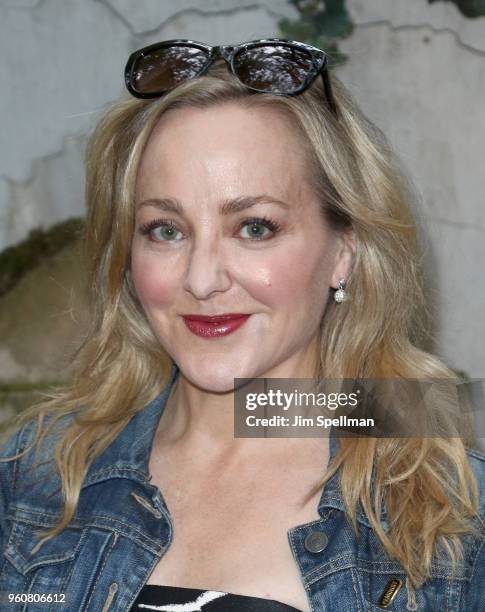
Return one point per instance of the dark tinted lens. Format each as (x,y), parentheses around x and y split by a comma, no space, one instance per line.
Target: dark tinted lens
(278,68)
(164,68)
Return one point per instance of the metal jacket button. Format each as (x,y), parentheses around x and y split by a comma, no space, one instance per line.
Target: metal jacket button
(316,542)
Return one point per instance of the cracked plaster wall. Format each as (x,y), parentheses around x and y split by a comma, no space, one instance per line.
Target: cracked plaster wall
(417,70)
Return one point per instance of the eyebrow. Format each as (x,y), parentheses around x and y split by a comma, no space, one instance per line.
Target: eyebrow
(227,207)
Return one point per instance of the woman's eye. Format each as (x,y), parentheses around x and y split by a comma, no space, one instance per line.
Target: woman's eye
(258,229)
(161,231)
(165,232)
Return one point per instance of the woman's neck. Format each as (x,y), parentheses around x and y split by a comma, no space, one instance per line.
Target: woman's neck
(204,420)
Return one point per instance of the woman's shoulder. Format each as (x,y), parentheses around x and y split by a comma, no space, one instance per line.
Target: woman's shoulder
(34,460)
(476,459)
(20,435)
(475,548)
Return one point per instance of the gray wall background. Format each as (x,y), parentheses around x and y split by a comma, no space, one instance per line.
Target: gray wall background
(417,70)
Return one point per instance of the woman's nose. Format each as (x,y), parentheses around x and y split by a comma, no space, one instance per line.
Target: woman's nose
(206,270)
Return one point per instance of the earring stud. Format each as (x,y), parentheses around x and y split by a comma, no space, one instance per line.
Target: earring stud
(340,294)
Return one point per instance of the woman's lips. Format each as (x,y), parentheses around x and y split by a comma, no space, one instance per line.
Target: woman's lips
(215,326)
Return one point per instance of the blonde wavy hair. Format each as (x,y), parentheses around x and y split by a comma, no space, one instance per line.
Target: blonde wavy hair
(427,484)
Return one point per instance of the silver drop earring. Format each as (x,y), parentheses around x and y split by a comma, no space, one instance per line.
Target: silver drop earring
(340,294)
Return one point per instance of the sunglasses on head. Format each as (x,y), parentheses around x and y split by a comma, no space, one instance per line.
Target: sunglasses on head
(274,65)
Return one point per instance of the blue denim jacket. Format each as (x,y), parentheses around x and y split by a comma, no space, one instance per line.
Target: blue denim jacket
(122,528)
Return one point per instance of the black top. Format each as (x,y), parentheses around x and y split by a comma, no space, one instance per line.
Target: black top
(181,599)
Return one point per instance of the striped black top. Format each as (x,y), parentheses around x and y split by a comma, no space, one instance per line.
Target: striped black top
(181,599)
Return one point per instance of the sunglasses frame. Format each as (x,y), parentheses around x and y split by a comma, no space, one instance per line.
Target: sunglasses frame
(228,53)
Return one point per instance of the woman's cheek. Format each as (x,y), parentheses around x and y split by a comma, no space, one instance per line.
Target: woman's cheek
(153,287)
(272,282)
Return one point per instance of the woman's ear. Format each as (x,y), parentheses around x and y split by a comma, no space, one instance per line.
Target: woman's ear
(344,257)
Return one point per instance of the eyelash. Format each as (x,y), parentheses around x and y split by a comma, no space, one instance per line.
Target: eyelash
(147,228)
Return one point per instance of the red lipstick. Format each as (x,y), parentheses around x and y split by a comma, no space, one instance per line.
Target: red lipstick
(216,325)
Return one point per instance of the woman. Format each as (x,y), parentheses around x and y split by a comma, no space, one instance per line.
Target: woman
(243,223)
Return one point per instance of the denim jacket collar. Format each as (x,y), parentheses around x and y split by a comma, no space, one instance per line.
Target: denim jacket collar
(128,456)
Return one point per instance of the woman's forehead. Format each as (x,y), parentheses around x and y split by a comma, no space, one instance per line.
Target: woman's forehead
(222,144)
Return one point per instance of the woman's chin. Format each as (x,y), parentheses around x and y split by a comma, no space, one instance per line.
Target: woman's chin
(215,378)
